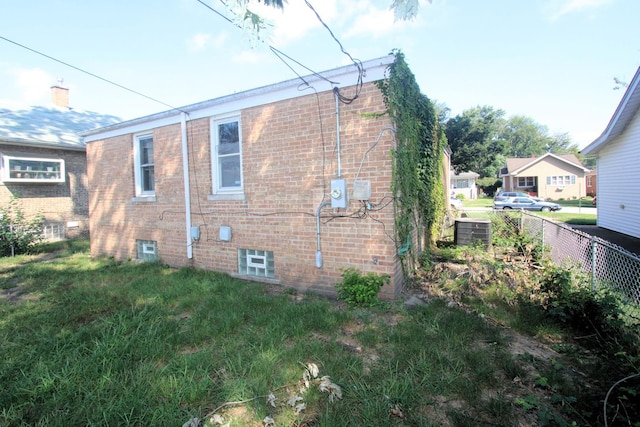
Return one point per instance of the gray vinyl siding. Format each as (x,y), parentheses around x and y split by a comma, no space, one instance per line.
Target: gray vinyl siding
(618,180)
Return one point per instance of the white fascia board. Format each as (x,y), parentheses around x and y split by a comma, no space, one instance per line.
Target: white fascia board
(614,128)
(534,161)
(340,77)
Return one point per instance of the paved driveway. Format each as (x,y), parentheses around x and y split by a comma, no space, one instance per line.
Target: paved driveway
(623,240)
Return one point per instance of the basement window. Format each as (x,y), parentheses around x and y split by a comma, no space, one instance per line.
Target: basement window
(256,263)
(53,231)
(147,250)
(26,168)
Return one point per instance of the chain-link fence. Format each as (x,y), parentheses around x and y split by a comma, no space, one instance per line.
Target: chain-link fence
(606,264)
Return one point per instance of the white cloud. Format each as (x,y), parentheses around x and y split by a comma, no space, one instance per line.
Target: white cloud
(34,85)
(201,41)
(558,8)
(249,57)
(198,42)
(296,20)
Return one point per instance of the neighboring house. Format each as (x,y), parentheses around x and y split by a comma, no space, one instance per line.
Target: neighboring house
(617,152)
(549,176)
(283,183)
(43,163)
(591,183)
(465,183)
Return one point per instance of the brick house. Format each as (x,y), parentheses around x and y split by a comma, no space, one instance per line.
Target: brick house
(591,183)
(43,163)
(283,184)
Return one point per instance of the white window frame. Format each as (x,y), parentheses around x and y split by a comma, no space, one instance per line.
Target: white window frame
(230,192)
(137,158)
(561,180)
(526,181)
(34,173)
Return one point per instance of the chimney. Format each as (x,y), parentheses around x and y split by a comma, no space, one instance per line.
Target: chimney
(60,95)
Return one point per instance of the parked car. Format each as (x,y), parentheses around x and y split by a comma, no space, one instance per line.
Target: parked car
(526,203)
(455,202)
(505,194)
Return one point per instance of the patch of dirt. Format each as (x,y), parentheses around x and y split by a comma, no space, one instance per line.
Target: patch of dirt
(17,294)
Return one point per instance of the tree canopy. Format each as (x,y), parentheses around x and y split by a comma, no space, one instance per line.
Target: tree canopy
(481,139)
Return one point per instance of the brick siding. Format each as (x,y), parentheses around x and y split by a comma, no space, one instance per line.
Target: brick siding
(58,203)
(289,159)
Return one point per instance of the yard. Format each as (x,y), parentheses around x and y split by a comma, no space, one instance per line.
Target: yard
(97,342)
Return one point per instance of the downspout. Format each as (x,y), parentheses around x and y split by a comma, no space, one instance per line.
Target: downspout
(318,250)
(187,188)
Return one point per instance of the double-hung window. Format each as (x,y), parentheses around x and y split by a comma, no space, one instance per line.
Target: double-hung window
(144,169)
(226,157)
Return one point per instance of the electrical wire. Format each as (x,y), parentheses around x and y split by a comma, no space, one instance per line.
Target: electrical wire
(279,54)
(356,62)
(91,74)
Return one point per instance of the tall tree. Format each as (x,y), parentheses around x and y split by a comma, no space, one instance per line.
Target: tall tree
(474,138)
(524,137)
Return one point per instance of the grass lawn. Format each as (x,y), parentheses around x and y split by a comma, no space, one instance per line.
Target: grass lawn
(97,342)
(568,218)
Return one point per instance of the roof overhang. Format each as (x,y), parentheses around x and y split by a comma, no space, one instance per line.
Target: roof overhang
(624,113)
(327,80)
(539,159)
(37,144)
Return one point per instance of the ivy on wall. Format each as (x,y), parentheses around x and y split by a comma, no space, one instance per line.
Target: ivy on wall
(418,169)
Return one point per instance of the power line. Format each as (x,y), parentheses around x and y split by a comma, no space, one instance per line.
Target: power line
(356,62)
(278,53)
(90,73)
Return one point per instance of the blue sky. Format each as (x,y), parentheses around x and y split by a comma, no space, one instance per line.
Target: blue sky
(551,60)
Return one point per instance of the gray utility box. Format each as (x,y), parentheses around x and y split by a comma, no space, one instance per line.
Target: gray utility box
(471,230)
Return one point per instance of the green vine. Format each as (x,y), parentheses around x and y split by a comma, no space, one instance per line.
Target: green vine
(418,161)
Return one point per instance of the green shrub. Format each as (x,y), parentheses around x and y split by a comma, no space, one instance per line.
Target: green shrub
(18,235)
(357,289)
(571,301)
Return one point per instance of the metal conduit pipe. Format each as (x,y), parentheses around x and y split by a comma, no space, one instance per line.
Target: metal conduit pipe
(335,92)
(318,250)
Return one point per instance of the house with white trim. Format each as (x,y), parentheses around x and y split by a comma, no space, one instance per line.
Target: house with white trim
(285,184)
(617,152)
(550,176)
(464,183)
(43,163)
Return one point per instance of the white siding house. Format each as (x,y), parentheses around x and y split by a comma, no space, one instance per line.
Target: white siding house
(618,153)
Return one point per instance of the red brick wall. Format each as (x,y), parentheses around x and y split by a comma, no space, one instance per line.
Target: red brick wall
(289,159)
(58,203)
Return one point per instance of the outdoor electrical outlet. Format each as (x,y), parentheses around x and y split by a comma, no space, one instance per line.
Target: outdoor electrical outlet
(338,193)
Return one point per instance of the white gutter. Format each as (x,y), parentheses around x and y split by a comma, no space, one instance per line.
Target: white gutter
(187,189)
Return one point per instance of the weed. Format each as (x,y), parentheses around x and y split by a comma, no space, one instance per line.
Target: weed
(18,235)
(357,289)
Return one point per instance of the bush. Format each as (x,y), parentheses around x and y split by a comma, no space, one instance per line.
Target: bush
(358,289)
(18,235)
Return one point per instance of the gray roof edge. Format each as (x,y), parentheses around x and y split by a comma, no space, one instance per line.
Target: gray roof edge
(608,133)
(50,146)
(312,78)
(539,158)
